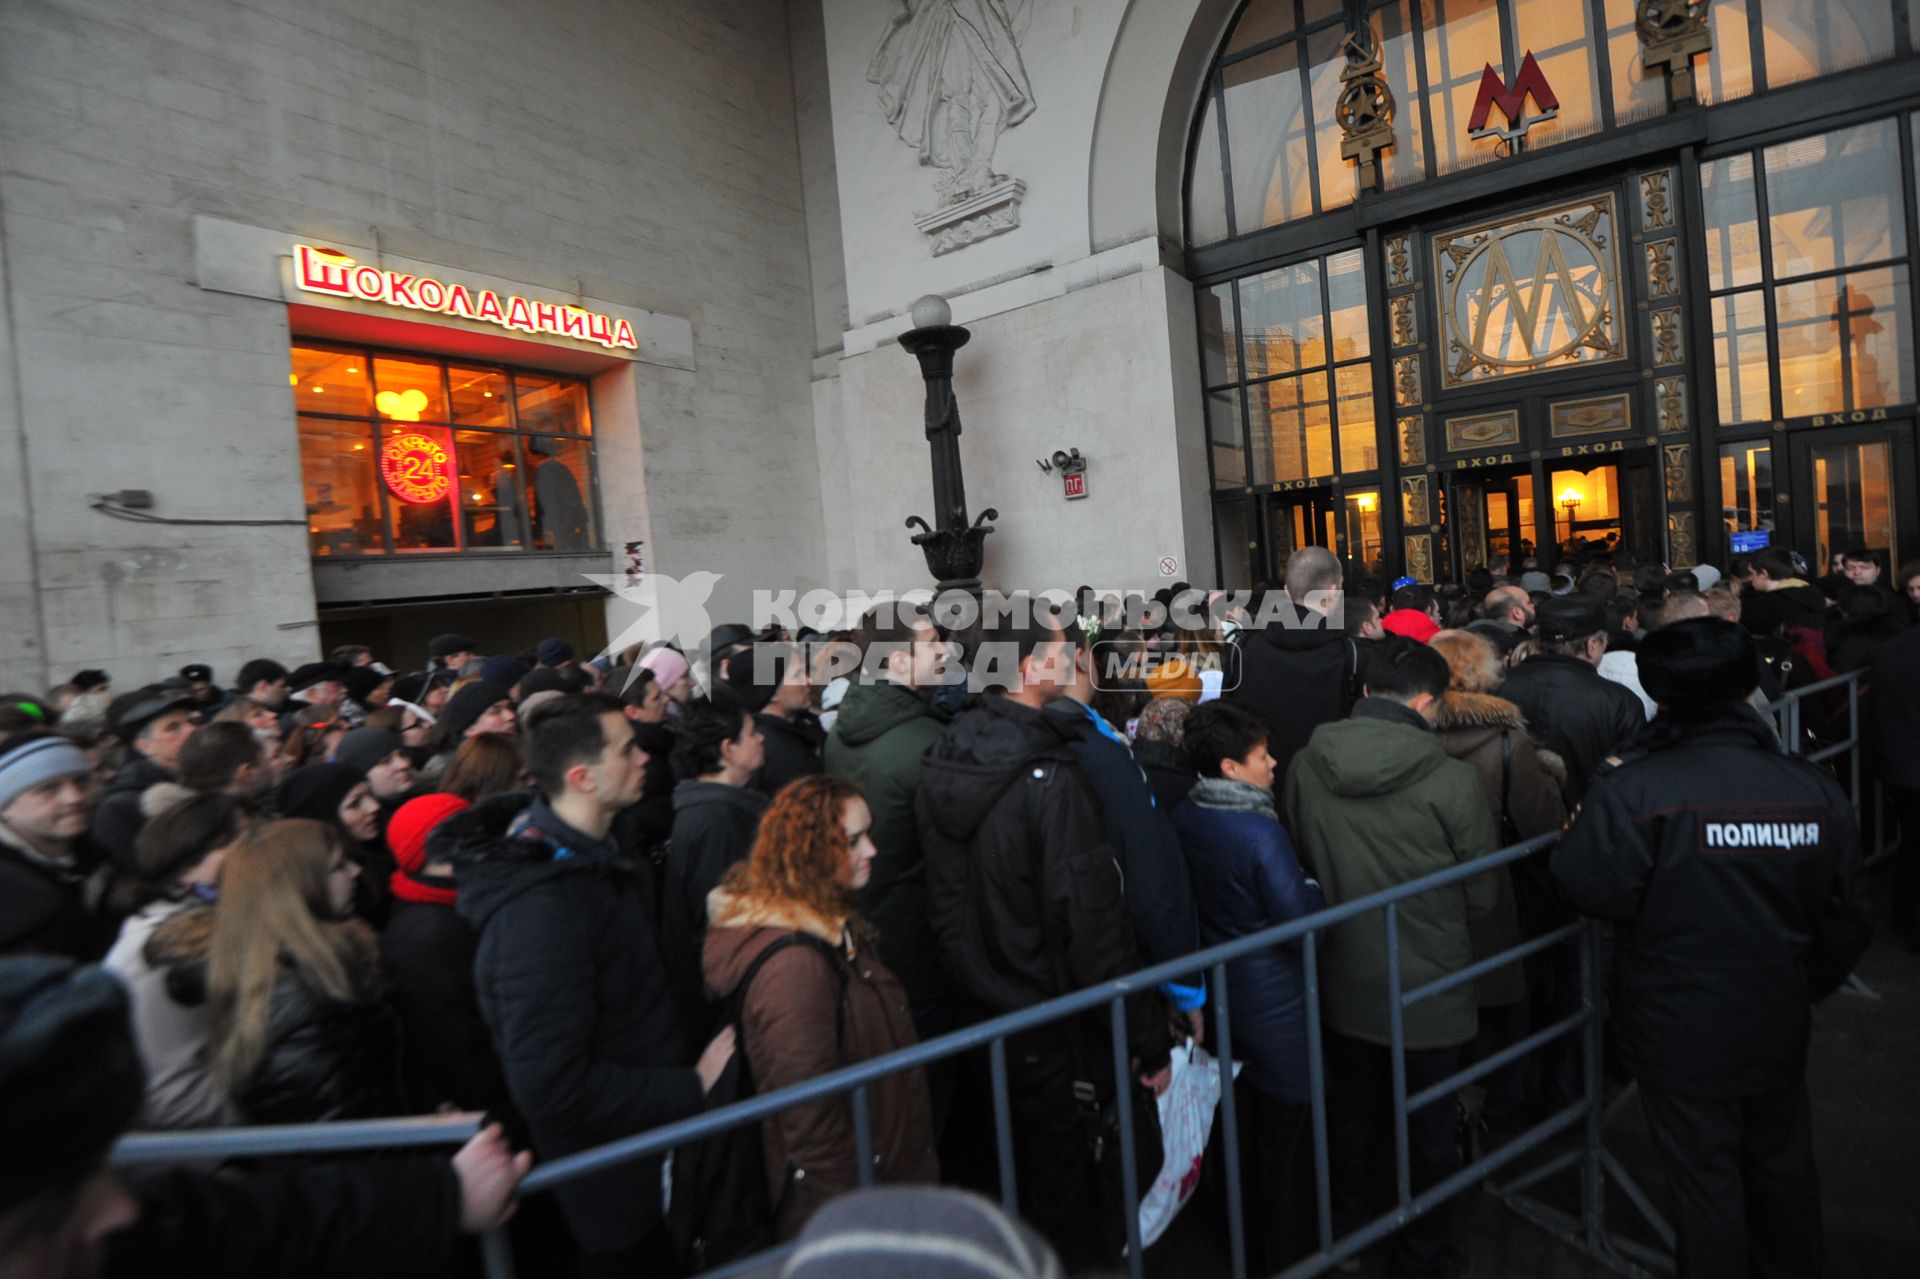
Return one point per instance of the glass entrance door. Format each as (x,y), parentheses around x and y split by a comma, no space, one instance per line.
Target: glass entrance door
(1844,493)
(1493,515)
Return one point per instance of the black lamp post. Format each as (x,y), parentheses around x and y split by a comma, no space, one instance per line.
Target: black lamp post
(953,547)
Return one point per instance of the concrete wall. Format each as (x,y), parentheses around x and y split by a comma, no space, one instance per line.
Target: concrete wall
(1082,327)
(645,154)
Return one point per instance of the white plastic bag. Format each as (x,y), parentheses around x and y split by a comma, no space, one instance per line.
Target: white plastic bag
(1186,1120)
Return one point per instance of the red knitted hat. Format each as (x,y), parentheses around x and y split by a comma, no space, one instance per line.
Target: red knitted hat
(407,832)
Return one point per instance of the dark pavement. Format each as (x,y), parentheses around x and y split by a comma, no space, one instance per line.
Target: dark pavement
(1864,1079)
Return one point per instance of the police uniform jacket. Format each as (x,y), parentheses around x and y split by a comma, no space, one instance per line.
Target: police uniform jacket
(1733,876)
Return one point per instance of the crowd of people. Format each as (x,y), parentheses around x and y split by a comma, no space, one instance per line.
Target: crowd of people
(577,895)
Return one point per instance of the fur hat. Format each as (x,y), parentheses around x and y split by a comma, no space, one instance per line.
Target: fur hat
(1474,660)
(1701,662)
(1570,617)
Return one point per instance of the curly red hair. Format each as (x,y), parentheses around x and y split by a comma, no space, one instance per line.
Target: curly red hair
(802,849)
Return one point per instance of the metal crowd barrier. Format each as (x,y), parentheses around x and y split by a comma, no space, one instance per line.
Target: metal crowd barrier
(1588,1230)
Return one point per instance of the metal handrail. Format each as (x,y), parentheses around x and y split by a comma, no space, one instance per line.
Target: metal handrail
(1588,1231)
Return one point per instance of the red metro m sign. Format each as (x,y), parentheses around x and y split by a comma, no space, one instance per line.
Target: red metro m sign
(1512,101)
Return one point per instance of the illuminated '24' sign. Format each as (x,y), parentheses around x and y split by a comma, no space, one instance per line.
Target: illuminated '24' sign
(332,272)
(416,468)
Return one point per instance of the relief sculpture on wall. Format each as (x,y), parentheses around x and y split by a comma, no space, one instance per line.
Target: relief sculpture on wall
(951,81)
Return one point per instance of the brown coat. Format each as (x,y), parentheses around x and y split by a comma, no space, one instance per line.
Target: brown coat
(789,1032)
(1470,727)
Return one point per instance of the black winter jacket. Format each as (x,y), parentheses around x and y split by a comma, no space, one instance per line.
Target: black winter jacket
(1732,874)
(324,1059)
(579,1000)
(116,818)
(1801,606)
(427,957)
(372,1219)
(1153,867)
(1167,773)
(1296,678)
(1023,893)
(44,907)
(1893,709)
(713,827)
(792,750)
(1574,711)
(652,817)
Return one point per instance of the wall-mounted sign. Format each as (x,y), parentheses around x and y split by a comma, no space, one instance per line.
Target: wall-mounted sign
(1512,101)
(1076,483)
(332,272)
(416,468)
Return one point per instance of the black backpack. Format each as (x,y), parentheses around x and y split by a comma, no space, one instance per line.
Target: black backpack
(721,1211)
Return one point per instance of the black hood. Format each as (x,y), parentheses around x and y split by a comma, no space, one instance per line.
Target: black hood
(986,751)
(697,794)
(491,867)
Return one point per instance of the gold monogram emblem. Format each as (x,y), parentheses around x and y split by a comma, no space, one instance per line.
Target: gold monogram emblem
(1537,293)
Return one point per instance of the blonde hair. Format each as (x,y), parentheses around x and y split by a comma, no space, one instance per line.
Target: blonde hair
(274,905)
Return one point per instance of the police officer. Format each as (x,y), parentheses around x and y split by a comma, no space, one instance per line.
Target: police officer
(1733,876)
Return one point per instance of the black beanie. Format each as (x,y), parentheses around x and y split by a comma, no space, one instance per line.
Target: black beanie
(70,1080)
(317,791)
(468,705)
(1701,662)
(742,685)
(364,747)
(361,681)
(543,679)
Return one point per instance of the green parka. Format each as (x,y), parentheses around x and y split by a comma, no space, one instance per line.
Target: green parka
(878,739)
(1373,802)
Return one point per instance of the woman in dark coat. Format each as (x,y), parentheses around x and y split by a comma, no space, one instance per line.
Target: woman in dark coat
(298,1030)
(1246,878)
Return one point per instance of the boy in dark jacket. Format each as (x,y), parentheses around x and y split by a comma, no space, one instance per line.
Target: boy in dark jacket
(716,813)
(1732,875)
(770,682)
(570,974)
(1300,670)
(1246,879)
(1025,903)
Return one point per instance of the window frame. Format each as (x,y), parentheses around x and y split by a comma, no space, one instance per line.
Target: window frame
(374,423)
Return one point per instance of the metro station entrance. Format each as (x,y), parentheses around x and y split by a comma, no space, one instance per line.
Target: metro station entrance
(1553,509)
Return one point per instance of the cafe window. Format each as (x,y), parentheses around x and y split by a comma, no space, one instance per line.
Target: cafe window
(1290,383)
(415,455)
(1810,271)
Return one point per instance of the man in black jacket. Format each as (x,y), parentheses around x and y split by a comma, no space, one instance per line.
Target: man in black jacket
(50,874)
(1299,670)
(716,813)
(1025,902)
(71,1082)
(1570,708)
(1732,874)
(1893,717)
(154,722)
(572,980)
(1153,866)
(770,681)
(1783,600)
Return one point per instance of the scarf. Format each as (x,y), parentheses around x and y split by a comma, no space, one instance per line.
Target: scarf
(426,890)
(1233,797)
